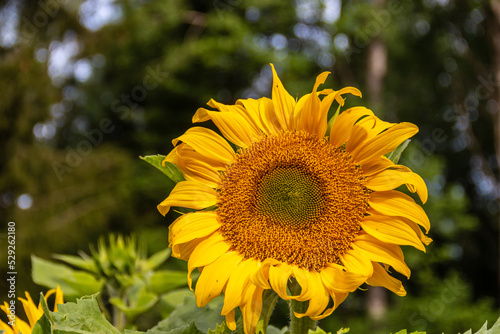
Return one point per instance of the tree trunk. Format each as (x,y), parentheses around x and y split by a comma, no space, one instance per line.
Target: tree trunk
(376,300)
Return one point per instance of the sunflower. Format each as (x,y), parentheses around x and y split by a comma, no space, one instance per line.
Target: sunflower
(33,312)
(301,199)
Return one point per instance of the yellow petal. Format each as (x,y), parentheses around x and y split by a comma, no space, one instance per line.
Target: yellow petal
(384,143)
(196,167)
(192,226)
(31,310)
(376,165)
(395,203)
(262,113)
(341,130)
(6,328)
(283,102)
(357,263)
(391,178)
(230,322)
(184,251)
(310,117)
(378,251)
(335,278)
(207,143)
(278,278)
(189,194)
(22,327)
(260,276)
(393,230)
(59,298)
(380,277)
(232,121)
(252,308)
(206,252)
(237,284)
(214,277)
(315,292)
(338,298)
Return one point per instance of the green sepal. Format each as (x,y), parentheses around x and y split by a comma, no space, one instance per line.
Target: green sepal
(395,155)
(331,121)
(167,168)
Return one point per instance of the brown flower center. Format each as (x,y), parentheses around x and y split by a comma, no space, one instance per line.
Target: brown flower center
(294,198)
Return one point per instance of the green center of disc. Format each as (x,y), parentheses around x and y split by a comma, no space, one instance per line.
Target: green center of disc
(289,196)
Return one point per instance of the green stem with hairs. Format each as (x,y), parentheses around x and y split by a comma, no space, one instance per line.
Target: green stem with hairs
(299,325)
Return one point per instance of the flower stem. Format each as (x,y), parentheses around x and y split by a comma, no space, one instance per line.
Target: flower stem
(299,325)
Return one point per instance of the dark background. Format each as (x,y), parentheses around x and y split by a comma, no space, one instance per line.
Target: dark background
(86,87)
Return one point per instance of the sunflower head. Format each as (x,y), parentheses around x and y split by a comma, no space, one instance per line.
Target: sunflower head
(301,198)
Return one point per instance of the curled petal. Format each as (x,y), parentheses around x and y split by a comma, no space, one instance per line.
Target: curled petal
(378,251)
(390,179)
(395,203)
(393,230)
(380,277)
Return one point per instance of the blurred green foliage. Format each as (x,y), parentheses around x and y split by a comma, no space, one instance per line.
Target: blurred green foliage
(128,282)
(83,99)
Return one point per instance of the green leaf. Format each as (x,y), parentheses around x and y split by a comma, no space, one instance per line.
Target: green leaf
(82,317)
(343,330)
(204,318)
(186,329)
(404,331)
(220,329)
(318,331)
(275,330)
(139,299)
(157,259)
(169,169)
(42,326)
(73,283)
(163,281)
(495,329)
(45,308)
(269,299)
(395,155)
(170,300)
(76,261)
